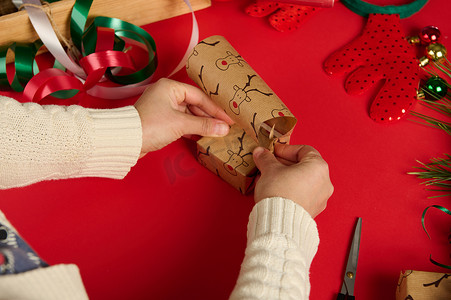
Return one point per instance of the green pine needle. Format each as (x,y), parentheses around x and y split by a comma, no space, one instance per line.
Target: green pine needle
(437,173)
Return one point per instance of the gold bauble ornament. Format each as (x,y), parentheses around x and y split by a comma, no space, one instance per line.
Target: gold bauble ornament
(436,51)
(424,61)
(413,39)
(421,95)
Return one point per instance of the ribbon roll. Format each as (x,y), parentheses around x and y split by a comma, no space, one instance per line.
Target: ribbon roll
(100,53)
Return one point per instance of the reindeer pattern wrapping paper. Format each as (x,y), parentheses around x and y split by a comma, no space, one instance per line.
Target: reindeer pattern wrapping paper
(261,118)
(420,285)
(230,158)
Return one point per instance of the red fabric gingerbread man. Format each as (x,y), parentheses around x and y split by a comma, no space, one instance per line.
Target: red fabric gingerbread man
(283,16)
(380,53)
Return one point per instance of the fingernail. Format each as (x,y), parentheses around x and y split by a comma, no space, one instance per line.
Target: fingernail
(221,129)
(258,151)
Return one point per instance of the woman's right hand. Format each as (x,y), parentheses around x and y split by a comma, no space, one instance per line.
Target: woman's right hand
(295,172)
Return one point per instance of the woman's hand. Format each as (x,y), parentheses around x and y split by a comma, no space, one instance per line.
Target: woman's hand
(171,109)
(295,172)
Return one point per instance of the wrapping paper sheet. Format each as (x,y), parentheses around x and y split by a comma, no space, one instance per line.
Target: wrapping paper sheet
(419,285)
(230,158)
(217,68)
(261,118)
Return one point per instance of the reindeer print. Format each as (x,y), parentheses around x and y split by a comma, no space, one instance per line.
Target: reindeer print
(241,95)
(209,93)
(206,153)
(223,63)
(236,159)
(253,124)
(282,112)
(437,282)
(196,53)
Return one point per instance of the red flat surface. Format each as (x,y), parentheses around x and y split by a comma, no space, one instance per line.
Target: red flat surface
(173,230)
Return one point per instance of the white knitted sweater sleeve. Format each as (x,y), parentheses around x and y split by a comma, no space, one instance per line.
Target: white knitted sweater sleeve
(55,142)
(62,281)
(282,241)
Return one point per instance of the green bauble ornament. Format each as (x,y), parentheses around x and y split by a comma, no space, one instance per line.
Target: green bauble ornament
(435,88)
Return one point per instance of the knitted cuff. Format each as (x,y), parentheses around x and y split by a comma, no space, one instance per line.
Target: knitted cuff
(55,282)
(283,216)
(117,141)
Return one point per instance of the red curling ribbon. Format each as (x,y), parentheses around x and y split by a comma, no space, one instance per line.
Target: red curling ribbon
(49,81)
(105,39)
(52,80)
(108,58)
(96,64)
(56,84)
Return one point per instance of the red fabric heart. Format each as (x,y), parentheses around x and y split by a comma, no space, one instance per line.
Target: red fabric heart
(283,17)
(380,53)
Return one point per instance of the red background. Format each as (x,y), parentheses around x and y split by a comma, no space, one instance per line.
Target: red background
(173,230)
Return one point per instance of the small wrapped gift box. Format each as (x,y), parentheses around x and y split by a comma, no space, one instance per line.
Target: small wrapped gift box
(230,158)
(261,118)
(419,285)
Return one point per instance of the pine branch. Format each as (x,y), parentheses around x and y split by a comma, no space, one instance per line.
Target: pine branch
(437,173)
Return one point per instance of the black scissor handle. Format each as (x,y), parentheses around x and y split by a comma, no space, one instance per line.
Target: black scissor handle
(341,296)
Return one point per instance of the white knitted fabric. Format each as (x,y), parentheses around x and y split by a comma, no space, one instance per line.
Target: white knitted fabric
(55,142)
(51,283)
(282,240)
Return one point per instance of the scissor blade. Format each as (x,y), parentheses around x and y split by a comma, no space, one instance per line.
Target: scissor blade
(354,253)
(351,267)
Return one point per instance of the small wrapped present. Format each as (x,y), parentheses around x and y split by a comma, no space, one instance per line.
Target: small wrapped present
(419,285)
(261,117)
(230,158)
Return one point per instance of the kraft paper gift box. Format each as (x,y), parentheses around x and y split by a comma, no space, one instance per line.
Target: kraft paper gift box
(260,117)
(419,285)
(230,158)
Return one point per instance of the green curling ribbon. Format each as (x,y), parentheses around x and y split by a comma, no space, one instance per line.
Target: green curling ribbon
(25,66)
(85,41)
(127,30)
(90,40)
(24,63)
(78,19)
(445,210)
(364,9)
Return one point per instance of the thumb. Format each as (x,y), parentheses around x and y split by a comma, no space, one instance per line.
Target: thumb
(204,126)
(264,159)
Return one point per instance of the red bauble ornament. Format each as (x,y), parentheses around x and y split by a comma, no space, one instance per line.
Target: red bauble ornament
(429,34)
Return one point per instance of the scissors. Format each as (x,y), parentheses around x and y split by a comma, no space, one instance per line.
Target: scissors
(347,289)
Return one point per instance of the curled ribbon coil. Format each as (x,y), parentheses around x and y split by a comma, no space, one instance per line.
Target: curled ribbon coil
(445,210)
(100,53)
